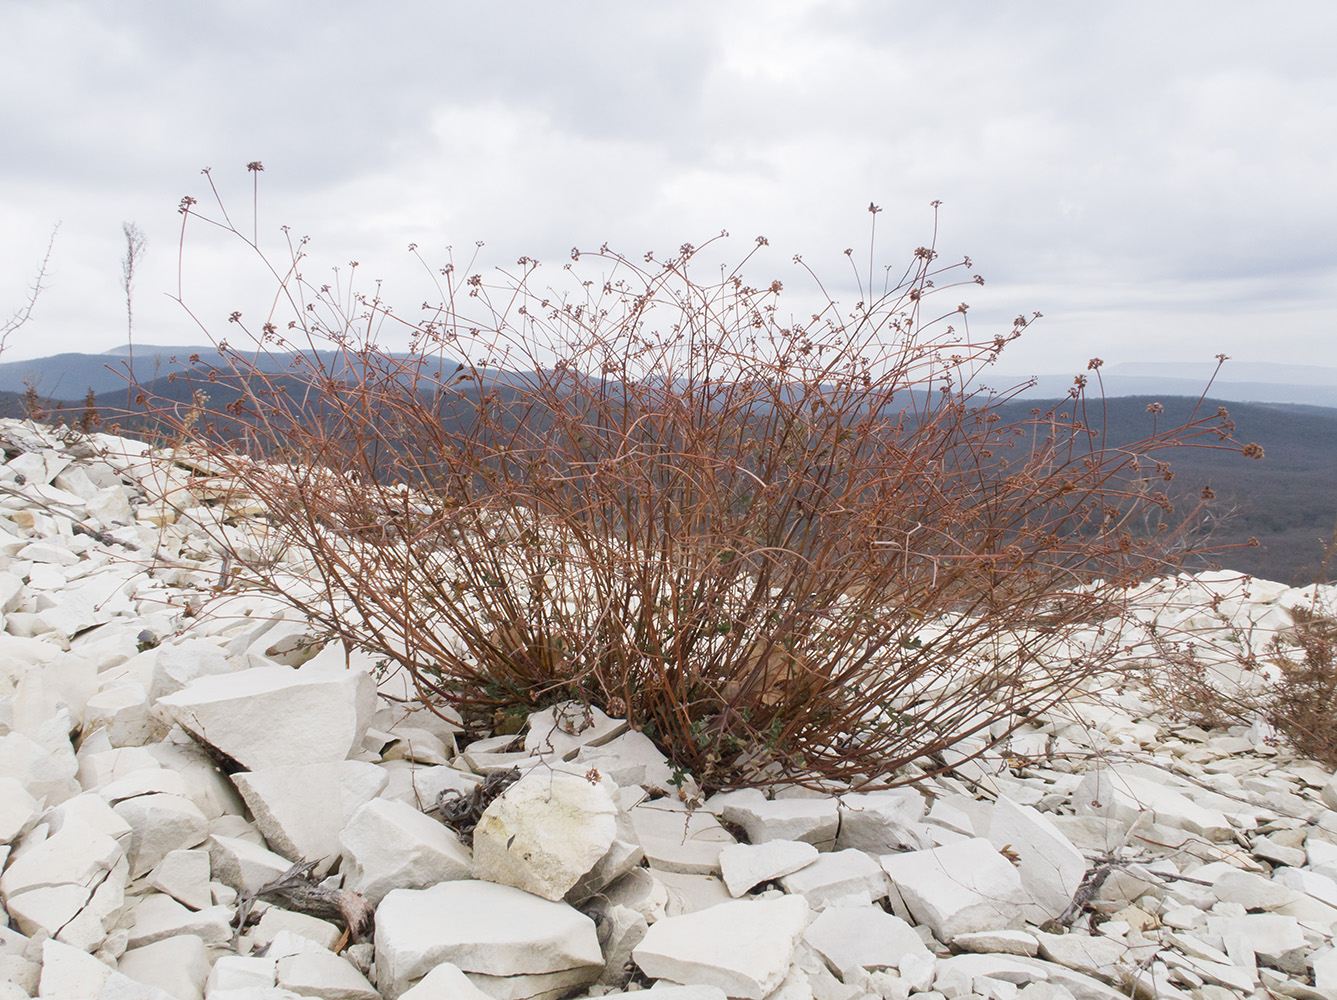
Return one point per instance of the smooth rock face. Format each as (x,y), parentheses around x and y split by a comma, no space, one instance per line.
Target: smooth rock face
(744,865)
(496,930)
(1051,868)
(390,845)
(545,832)
(743,947)
(269,717)
(862,937)
(301,808)
(810,821)
(958,889)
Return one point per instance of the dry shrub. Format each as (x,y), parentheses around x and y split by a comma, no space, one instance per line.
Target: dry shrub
(783,548)
(1303,704)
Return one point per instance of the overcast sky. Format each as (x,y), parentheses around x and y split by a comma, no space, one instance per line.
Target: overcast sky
(1159,179)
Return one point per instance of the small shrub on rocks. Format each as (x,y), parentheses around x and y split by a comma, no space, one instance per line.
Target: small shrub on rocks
(1303,704)
(802,548)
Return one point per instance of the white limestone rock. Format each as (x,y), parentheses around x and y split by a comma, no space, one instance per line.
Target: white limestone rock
(268,717)
(960,888)
(70,974)
(840,878)
(390,845)
(158,916)
(495,930)
(1002,942)
(1121,796)
(179,966)
(810,821)
(677,840)
(184,875)
(744,947)
(122,709)
(286,932)
(445,982)
(881,822)
(18,810)
(240,972)
(324,975)
(70,886)
(160,823)
(300,808)
(1051,868)
(243,864)
(620,929)
(632,760)
(744,865)
(177,664)
(561,730)
(45,769)
(543,833)
(850,938)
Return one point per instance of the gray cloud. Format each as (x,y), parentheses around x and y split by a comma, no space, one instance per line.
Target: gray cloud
(1155,178)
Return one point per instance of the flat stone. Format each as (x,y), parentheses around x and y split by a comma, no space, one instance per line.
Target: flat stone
(71,974)
(46,770)
(18,810)
(390,845)
(161,824)
(158,916)
(809,821)
(179,966)
(677,840)
(184,875)
(743,947)
(268,717)
(324,975)
(959,888)
(445,982)
(240,972)
(999,942)
(1313,884)
(1268,935)
(840,878)
(1251,890)
(243,864)
(496,930)
(1051,868)
(1085,953)
(561,730)
(1122,797)
(745,865)
(862,937)
(70,885)
(301,808)
(543,833)
(882,822)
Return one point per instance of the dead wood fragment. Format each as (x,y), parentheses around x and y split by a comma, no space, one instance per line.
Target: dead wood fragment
(297,890)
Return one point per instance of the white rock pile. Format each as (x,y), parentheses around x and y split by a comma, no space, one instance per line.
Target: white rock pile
(170,745)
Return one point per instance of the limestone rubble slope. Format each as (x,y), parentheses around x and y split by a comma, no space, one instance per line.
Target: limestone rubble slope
(168,746)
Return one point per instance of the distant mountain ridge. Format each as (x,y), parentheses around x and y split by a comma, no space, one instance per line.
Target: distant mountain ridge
(69,376)
(1238,382)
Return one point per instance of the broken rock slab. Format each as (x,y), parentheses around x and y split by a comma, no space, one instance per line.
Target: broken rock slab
(743,947)
(546,831)
(481,927)
(1051,868)
(850,938)
(811,821)
(301,808)
(275,716)
(388,845)
(744,865)
(960,888)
